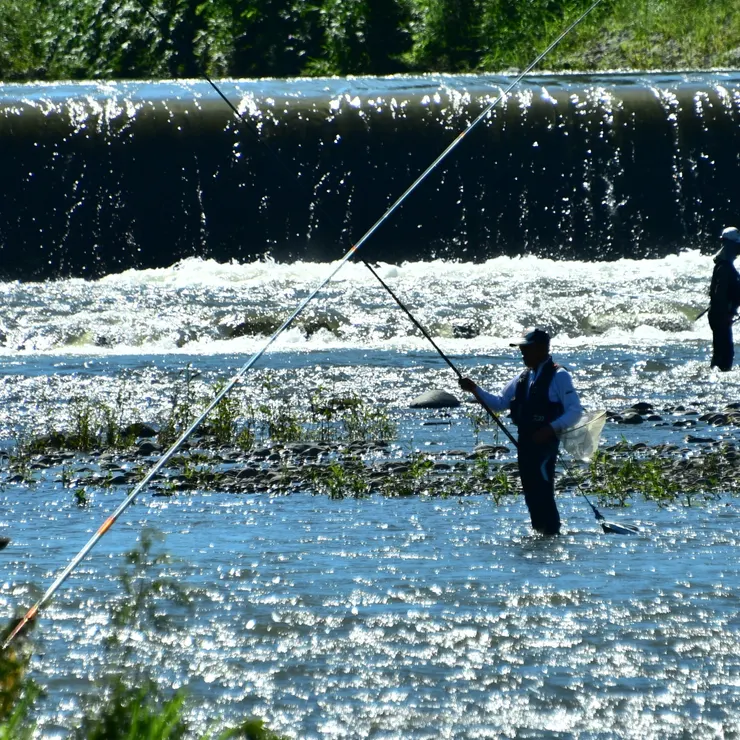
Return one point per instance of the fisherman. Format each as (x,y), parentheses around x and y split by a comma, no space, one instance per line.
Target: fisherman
(724,299)
(543,402)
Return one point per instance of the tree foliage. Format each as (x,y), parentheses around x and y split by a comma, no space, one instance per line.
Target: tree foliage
(102,39)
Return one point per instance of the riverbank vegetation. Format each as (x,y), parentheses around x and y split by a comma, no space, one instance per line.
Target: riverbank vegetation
(100,39)
(284,442)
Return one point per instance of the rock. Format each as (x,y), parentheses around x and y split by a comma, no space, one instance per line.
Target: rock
(631,418)
(654,417)
(139,429)
(641,407)
(488,450)
(690,439)
(464,331)
(55,440)
(298,447)
(435,399)
(147,448)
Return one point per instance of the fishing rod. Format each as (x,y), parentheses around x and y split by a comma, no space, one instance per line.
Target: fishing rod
(32,613)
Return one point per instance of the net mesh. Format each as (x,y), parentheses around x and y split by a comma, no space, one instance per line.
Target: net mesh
(582,439)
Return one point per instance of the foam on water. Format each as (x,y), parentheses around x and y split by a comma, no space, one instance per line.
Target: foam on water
(195,306)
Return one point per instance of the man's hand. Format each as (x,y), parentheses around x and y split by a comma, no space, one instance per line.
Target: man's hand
(543,434)
(467,385)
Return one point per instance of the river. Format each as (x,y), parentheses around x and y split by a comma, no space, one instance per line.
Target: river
(375,618)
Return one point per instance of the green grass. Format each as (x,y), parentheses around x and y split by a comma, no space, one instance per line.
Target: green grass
(89,39)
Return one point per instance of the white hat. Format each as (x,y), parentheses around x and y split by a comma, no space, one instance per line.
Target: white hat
(731,234)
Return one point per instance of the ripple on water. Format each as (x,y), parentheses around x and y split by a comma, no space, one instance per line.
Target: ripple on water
(414,618)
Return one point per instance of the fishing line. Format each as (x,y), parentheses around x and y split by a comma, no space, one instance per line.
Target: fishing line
(108,523)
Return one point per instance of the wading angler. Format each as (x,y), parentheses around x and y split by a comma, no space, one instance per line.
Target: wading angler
(543,402)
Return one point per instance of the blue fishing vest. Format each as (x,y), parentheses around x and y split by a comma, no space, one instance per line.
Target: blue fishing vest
(534,410)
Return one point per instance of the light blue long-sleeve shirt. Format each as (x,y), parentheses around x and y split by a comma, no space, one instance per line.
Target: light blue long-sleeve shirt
(561,390)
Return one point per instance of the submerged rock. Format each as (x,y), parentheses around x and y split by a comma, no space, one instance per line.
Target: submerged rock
(435,399)
(631,418)
(641,407)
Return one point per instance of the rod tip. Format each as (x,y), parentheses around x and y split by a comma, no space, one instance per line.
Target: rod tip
(17,629)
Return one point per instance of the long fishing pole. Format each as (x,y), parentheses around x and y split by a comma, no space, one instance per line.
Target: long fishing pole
(108,523)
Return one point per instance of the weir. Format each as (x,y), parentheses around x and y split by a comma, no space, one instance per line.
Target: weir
(101,177)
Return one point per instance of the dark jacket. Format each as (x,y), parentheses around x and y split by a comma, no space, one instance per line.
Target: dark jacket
(724,290)
(530,411)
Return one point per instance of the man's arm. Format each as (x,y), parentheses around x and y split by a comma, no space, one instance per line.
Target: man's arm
(494,402)
(566,393)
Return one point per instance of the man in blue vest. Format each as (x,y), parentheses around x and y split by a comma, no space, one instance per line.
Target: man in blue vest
(543,403)
(724,299)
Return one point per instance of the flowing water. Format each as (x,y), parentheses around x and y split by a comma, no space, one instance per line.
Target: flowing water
(378,618)
(98,178)
(389,618)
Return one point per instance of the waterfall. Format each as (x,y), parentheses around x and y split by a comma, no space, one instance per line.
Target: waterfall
(101,177)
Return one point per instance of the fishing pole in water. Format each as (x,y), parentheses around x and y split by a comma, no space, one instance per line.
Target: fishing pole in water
(33,612)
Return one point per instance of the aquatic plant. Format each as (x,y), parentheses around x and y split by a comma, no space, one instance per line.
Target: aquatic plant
(413,477)
(342,479)
(364,422)
(80,496)
(183,407)
(115,435)
(487,479)
(614,480)
(83,436)
(19,457)
(222,422)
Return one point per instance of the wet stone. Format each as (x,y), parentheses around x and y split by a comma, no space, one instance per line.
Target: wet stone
(147,448)
(247,473)
(139,429)
(298,447)
(434,399)
(631,418)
